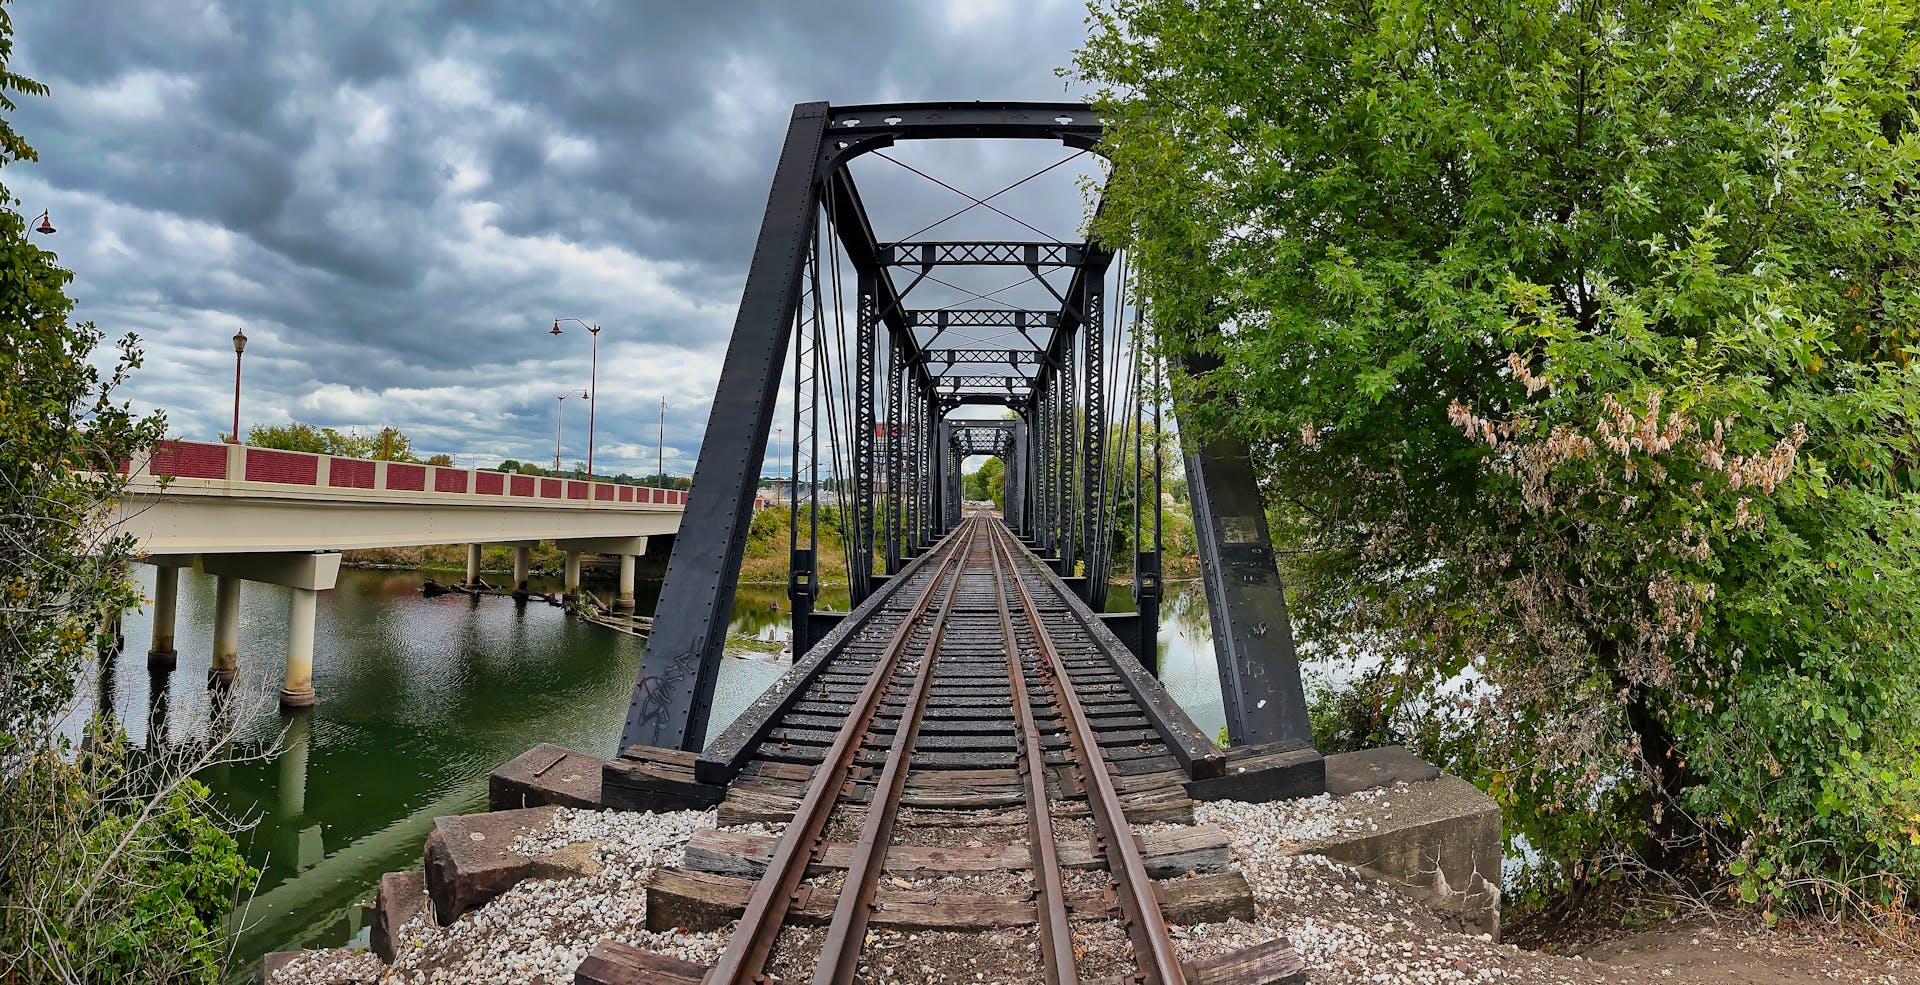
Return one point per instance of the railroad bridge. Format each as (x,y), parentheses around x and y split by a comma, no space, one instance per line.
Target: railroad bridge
(975,718)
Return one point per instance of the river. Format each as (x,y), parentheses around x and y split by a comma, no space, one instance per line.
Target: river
(418,699)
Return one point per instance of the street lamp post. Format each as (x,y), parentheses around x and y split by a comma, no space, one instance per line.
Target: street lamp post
(239,346)
(556,427)
(779,433)
(593,382)
(660,450)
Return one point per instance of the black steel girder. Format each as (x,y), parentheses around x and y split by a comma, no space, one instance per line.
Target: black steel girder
(944,318)
(1012,357)
(970,254)
(673,689)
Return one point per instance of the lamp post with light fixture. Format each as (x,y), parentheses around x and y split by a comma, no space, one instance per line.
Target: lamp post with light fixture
(556,428)
(239,346)
(45,228)
(593,382)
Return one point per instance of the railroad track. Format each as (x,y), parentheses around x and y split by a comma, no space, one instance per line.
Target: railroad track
(972,791)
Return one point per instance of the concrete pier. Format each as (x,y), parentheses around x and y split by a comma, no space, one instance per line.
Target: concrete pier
(624,548)
(573,577)
(522,566)
(226,630)
(473,565)
(307,573)
(297,691)
(623,602)
(166,597)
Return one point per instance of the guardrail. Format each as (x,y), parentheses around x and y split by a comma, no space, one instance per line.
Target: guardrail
(212,462)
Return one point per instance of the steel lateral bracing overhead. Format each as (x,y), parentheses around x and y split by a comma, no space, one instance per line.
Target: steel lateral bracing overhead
(870,448)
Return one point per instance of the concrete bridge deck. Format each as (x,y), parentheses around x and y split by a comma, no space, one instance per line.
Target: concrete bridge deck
(281,517)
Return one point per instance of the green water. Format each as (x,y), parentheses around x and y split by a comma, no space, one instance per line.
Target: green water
(417,700)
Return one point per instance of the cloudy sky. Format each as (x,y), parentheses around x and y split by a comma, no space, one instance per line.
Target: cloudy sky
(395,198)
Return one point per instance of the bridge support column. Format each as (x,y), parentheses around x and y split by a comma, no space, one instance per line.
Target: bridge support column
(226,630)
(573,576)
(623,602)
(297,691)
(307,574)
(627,549)
(473,565)
(522,565)
(166,596)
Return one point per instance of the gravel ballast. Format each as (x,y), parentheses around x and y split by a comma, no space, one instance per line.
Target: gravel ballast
(1349,929)
(538,932)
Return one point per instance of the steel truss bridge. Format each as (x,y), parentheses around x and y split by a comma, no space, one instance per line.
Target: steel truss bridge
(872,400)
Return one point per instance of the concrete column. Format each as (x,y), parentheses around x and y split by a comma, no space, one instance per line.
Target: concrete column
(297,692)
(473,565)
(166,595)
(624,601)
(226,630)
(522,565)
(573,577)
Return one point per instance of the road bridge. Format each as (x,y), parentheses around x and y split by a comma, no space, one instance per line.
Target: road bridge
(280,517)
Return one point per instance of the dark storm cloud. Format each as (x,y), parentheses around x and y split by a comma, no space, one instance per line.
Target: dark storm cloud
(393,198)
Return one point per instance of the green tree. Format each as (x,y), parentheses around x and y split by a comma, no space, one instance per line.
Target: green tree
(986,483)
(292,436)
(107,872)
(390,444)
(1573,340)
(351,445)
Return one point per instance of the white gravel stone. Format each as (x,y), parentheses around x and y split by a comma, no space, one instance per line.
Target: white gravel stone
(538,932)
(1349,929)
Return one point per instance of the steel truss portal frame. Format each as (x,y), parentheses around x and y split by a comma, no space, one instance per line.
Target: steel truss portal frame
(905,450)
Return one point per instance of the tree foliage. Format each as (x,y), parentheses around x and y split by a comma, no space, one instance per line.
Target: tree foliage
(1574,340)
(106,873)
(389,444)
(987,483)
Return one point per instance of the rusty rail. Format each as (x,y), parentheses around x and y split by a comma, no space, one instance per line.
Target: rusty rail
(1154,952)
(744,960)
(840,953)
(1056,936)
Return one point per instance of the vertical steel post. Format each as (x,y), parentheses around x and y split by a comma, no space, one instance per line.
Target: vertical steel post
(1069,450)
(911,471)
(895,371)
(864,424)
(1093,322)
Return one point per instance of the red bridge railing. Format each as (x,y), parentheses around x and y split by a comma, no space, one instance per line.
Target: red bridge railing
(214,461)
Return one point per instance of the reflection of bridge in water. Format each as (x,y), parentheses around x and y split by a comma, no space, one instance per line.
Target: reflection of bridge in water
(282,518)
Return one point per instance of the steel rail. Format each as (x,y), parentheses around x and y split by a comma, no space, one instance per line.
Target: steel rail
(1056,936)
(840,952)
(1153,948)
(744,960)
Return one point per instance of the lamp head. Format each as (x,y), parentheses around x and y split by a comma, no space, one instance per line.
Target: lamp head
(45,228)
(239,341)
(556,327)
